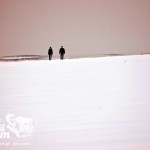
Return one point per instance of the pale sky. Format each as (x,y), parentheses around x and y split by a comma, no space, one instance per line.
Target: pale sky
(83,27)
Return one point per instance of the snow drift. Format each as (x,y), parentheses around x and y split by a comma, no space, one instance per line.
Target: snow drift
(84,104)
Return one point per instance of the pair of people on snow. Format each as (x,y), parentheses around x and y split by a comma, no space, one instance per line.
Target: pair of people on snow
(61,53)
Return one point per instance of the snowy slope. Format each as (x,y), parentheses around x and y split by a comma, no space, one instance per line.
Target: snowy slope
(80,104)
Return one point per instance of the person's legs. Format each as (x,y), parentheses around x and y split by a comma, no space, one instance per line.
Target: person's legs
(62,56)
(50,57)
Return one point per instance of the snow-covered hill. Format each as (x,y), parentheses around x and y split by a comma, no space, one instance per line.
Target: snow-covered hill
(78,104)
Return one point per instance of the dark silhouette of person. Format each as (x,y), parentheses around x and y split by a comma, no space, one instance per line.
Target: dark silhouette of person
(62,52)
(50,53)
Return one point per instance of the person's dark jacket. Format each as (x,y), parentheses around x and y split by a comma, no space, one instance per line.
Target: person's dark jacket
(50,51)
(62,51)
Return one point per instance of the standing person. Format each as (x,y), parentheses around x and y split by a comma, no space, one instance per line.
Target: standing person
(62,52)
(50,53)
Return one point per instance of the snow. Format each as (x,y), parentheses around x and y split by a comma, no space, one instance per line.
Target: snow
(81,104)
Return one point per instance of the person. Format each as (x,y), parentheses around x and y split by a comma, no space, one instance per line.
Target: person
(62,52)
(50,53)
